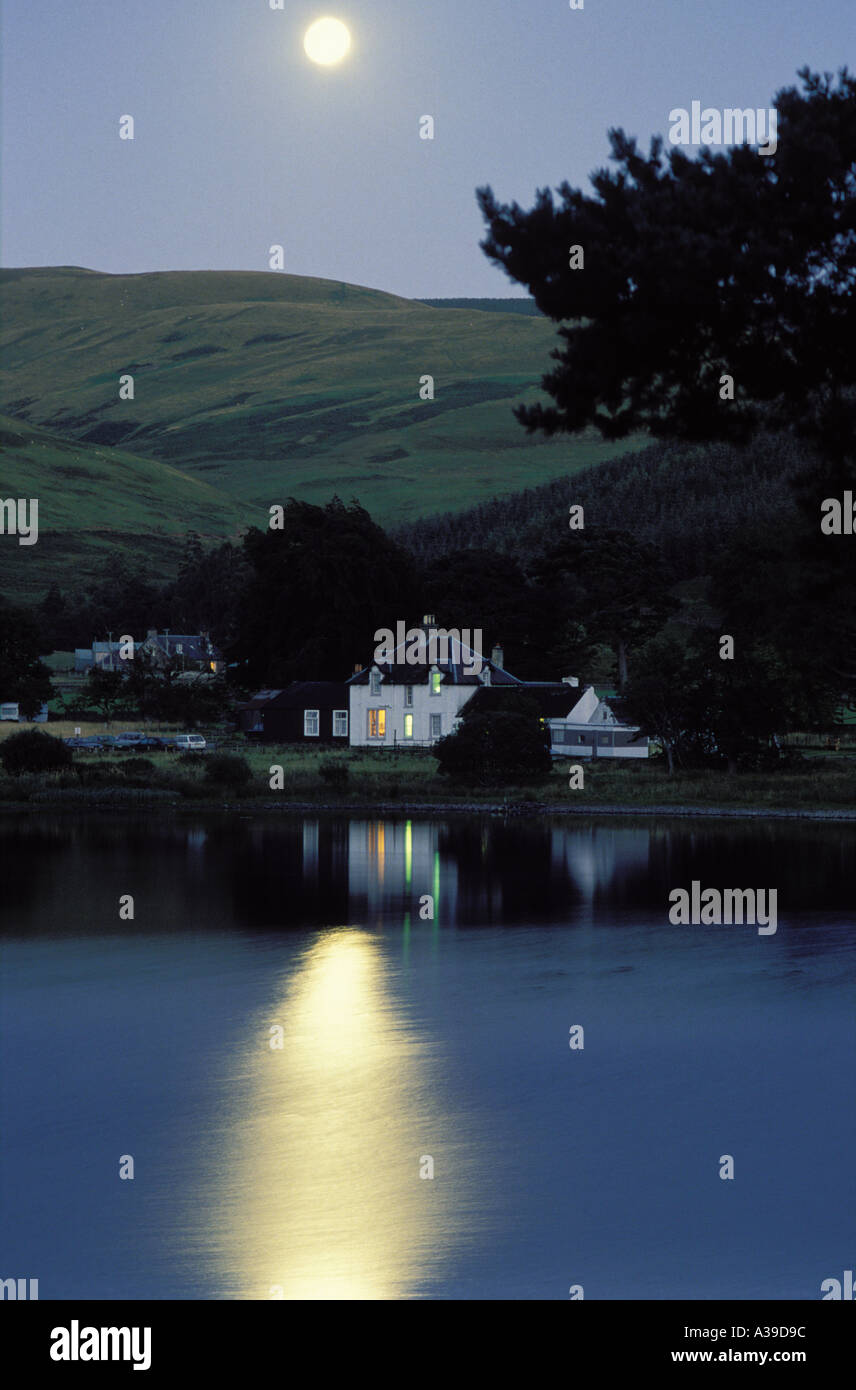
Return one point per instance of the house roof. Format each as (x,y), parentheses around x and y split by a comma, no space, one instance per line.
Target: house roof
(262,697)
(553,701)
(194,645)
(310,695)
(452,671)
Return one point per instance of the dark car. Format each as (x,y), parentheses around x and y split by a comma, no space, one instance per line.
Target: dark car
(134,740)
(93,743)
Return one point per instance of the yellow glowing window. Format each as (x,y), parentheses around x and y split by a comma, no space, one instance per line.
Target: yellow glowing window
(377,723)
(436,680)
(408,726)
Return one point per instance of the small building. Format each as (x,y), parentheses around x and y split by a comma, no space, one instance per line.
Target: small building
(312,712)
(103,654)
(591,729)
(249,712)
(188,651)
(9,711)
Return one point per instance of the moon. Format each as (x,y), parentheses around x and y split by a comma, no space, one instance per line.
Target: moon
(326,41)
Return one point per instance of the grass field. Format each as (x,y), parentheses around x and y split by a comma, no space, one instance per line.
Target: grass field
(260,386)
(825,781)
(95,501)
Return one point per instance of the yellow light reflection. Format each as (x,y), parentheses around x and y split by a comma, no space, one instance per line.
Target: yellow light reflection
(324,1198)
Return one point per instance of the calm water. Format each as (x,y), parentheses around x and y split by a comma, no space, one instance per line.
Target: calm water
(293,1170)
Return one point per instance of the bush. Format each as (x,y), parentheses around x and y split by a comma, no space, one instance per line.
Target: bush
(33,751)
(495,749)
(138,767)
(190,759)
(336,775)
(228,770)
(96,774)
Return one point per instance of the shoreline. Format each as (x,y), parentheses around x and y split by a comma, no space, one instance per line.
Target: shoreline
(429,809)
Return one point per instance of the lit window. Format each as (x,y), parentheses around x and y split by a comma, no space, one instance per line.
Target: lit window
(408,694)
(436,725)
(340,723)
(408,725)
(377,723)
(436,682)
(310,723)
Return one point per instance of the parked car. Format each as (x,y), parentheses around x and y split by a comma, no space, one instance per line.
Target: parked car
(93,743)
(135,740)
(190,743)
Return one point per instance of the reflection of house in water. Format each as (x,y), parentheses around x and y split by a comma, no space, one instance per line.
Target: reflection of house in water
(392,864)
(594,855)
(326,870)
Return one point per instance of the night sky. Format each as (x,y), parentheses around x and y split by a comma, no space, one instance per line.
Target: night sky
(241,142)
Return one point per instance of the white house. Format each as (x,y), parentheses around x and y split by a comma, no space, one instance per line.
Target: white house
(399,704)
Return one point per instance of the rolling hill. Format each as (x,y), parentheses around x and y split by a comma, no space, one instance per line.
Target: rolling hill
(265,386)
(94,501)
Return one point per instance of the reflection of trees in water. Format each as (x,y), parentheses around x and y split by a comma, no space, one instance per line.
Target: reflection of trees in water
(809,863)
(31,854)
(507,872)
(284,873)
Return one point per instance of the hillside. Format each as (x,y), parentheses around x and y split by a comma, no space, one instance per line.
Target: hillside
(491,306)
(268,385)
(686,499)
(94,501)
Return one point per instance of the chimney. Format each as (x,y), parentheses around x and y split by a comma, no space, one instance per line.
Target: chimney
(428,620)
(497,656)
(152,633)
(358,668)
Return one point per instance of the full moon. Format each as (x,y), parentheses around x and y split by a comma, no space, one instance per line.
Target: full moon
(326,41)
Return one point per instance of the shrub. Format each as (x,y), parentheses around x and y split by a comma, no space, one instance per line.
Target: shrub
(33,751)
(138,767)
(336,775)
(228,770)
(96,774)
(494,749)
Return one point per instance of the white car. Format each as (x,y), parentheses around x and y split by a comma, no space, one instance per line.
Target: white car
(190,743)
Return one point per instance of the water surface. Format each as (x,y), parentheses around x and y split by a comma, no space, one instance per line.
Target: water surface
(283,1045)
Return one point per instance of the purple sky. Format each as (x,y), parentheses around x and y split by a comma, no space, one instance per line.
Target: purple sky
(240,142)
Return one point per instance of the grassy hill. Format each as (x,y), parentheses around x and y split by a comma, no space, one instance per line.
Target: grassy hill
(268,385)
(495,306)
(94,501)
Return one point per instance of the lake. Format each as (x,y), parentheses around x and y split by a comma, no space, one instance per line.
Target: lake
(325,1092)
